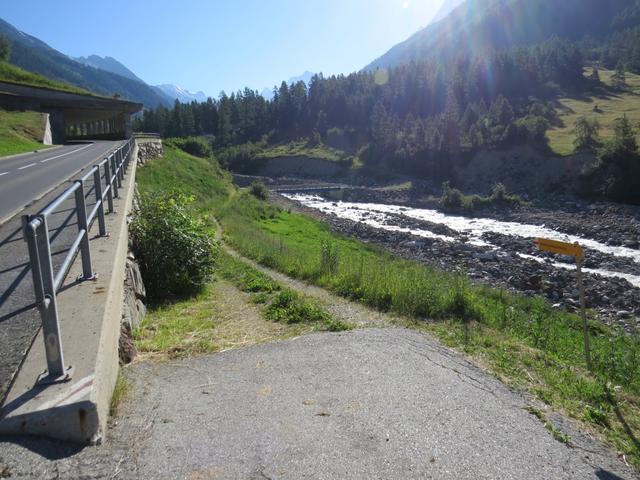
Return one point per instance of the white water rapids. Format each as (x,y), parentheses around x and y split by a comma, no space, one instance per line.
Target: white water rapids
(382,217)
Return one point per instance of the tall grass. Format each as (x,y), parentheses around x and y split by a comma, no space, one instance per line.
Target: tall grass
(297,245)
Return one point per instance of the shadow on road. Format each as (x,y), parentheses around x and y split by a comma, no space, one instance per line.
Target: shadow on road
(49,449)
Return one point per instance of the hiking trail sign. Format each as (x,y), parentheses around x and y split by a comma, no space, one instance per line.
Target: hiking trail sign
(576,251)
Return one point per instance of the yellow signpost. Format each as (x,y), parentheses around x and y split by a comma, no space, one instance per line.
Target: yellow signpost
(562,248)
(576,251)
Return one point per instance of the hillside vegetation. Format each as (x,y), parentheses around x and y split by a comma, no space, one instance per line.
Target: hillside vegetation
(20,132)
(11,73)
(524,341)
(604,107)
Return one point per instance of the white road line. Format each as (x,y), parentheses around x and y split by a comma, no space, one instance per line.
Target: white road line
(3,173)
(65,154)
(27,166)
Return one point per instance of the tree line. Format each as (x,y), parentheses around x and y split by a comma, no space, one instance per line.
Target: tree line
(406,113)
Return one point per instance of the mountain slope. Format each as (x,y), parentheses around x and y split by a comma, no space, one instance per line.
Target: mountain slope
(446,8)
(177,93)
(478,25)
(108,64)
(34,55)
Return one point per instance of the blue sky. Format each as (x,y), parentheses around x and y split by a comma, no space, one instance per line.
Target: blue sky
(215,45)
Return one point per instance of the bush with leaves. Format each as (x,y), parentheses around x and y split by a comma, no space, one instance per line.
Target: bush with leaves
(616,173)
(259,190)
(197,146)
(176,250)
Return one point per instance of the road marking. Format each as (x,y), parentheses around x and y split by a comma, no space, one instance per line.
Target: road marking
(3,173)
(27,166)
(65,154)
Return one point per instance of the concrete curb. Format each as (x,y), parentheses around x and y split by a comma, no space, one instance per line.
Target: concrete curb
(90,316)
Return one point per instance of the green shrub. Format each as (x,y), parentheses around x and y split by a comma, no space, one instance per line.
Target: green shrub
(259,190)
(196,146)
(452,199)
(289,307)
(240,158)
(176,251)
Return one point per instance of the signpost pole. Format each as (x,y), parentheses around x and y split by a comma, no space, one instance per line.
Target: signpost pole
(576,251)
(583,312)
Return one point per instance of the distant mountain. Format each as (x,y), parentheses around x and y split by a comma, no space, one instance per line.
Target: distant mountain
(108,64)
(177,93)
(34,55)
(305,77)
(447,7)
(480,25)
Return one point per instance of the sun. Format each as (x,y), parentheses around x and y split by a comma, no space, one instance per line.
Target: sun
(405,5)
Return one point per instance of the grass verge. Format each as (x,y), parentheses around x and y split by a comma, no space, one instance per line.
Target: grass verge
(120,392)
(219,319)
(20,132)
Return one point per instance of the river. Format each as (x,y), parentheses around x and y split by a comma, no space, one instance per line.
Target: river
(385,217)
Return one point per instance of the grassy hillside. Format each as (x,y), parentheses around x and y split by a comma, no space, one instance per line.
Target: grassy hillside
(522,340)
(604,108)
(13,74)
(20,132)
(301,148)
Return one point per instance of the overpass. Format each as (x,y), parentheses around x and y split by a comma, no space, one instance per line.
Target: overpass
(72,115)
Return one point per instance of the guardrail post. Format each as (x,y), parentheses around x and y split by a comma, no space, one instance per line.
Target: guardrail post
(123,164)
(85,250)
(114,179)
(98,188)
(107,181)
(116,155)
(36,233)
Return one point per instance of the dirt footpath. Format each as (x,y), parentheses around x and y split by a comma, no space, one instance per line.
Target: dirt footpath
(370,403)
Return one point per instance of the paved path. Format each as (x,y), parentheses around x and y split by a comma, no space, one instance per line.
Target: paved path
(364,404)
(19,322)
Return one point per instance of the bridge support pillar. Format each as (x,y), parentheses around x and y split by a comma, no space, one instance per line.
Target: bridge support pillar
(58,127)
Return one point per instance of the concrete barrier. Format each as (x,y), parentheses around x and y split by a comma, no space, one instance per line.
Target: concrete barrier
(90,318)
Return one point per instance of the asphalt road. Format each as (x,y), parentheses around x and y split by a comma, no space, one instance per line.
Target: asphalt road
(23,180)
(26,178)
(364,404)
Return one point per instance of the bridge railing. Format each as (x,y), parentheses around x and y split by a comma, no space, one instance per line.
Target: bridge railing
(106,178)
(147,135)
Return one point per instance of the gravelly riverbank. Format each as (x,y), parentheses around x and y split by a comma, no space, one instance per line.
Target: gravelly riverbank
(510,262)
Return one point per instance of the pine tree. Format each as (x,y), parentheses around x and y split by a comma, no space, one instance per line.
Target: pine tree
(5,48)
(586,133)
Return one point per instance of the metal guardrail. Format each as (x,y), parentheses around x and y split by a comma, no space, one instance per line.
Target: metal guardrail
(146,135)
(107,178)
